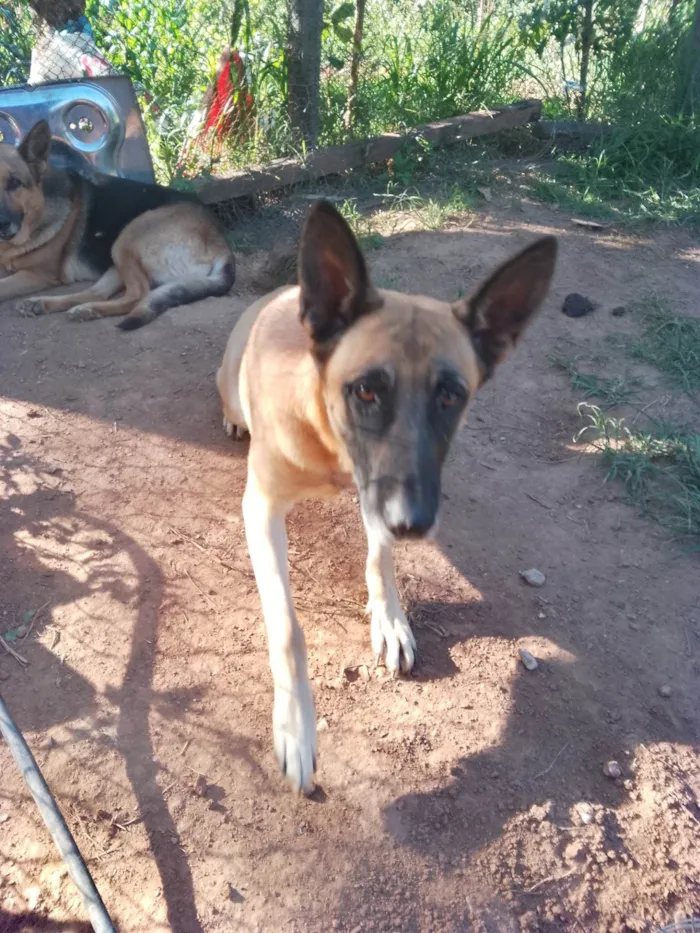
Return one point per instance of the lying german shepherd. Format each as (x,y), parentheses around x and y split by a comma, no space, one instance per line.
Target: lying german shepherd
(160,248)
(336,379)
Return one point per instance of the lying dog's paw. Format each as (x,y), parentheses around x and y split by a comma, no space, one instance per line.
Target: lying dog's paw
(82,313)
(294,732)
(235,431)
(30,307)
(392,638)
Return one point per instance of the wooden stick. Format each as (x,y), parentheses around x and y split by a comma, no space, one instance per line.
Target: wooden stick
(34,618)
(209,554)
(11,651)
(201,592)
(566,874)
(556,757)
(538,501)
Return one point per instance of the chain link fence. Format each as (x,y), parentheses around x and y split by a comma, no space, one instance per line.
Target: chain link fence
(194,86)
(224,84)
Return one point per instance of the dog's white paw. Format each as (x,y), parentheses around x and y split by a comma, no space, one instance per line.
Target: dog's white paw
(30,307)
(294,733)
(82,313)
(392,637)
(236,431)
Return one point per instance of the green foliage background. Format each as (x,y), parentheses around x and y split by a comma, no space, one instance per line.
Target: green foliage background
(421,61)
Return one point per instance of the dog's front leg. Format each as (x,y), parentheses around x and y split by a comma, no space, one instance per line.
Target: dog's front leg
(294,717)
(391,632)
(22,283)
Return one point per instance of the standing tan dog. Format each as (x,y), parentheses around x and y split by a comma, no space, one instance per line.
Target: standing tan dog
(160,248)
(335,379)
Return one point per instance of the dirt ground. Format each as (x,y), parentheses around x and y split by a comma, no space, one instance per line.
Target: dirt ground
(469,797)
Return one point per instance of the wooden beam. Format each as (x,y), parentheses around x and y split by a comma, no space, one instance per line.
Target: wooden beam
(336,159)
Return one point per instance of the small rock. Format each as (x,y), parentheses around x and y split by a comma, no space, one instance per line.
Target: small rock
(618,311)
(533,577)
(665,691)
(540,812)
(363,671)
(322,725)
(229,893)
(576,305)
(200,786)
(529,661)
(4,817)
(32,896)
(575,850)
(612,770)
(585,813)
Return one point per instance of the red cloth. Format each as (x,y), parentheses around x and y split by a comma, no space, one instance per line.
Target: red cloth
(228,106)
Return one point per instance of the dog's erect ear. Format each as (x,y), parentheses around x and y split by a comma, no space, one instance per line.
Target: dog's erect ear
(498,312)
(335,285)
(35,148)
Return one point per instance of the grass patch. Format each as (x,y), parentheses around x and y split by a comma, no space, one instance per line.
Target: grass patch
(658,464)
(610,390)
(362,225)
(671,343)
(646,172)
(426,212)
(576,185)
(660,468)
(430,212)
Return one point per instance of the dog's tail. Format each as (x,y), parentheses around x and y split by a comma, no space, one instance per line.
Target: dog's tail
(215,283)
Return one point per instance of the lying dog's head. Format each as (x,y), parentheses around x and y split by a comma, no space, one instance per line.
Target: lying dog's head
(21,193)
(398,370)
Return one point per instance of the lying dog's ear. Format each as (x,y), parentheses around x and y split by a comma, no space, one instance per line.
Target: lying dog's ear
(335,285)
(35,148)
(498,312)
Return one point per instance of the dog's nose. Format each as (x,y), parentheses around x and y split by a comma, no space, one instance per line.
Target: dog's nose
(408,519)
(8,228)
(407,530)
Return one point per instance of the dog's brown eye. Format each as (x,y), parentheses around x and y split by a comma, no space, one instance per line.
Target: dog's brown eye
(365,394)
(447,398)
(13,183)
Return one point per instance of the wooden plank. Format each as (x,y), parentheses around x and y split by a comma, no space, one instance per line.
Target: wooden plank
(336,159)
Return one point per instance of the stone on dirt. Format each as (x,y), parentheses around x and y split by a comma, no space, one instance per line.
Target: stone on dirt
(533,577)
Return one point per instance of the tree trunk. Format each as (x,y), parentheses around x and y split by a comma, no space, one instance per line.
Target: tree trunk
(586,45)
(640,22)
(58,12)
(304,66)
(691,68)
(355,64)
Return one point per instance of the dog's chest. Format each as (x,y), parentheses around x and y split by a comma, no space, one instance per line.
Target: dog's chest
(77,269)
